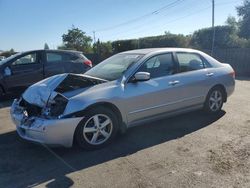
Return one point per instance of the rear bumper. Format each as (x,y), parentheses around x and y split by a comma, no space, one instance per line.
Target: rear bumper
(54,132)
(230,87)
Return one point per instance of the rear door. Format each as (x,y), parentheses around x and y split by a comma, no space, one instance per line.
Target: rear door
(193,78)
(25,70)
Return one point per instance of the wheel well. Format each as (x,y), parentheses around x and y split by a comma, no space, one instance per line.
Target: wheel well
(223,89)
(109,106)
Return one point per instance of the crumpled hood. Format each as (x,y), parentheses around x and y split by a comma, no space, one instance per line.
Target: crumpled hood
(39,93)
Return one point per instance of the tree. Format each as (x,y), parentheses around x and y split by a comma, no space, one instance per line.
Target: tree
(244,14)
(225,37)
(8,53)
(232,22)
(76,39)
(46,46)
(103,49)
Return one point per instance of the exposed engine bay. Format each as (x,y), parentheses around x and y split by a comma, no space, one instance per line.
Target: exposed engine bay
(49,98)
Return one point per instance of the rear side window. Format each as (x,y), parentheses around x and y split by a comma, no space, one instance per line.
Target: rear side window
(53,57)
(189,62)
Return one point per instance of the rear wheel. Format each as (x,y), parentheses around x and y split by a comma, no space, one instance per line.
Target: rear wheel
(214,100)
(97,129)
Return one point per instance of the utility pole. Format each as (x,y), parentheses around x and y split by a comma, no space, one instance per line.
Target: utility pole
(213,28)
(94,42)
(94,36)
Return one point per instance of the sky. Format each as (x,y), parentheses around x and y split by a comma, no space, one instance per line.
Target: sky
(29,24)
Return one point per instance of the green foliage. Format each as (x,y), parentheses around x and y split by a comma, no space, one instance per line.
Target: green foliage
(244,14)
(167,40)
(225,37)
(76,39)
(46,46)
(8,53)
(104,49)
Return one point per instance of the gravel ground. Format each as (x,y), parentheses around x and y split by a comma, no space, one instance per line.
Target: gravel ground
(191,150)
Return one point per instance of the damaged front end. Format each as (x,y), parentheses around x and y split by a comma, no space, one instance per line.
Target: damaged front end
(38,113)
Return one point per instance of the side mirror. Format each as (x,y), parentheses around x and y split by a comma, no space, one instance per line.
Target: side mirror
(7,71)
(141,76)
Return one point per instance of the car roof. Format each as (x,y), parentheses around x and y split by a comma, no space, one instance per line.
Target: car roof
(52,50)
(156,50)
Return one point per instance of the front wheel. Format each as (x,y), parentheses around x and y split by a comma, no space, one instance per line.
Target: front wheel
(214,100)
(98,128)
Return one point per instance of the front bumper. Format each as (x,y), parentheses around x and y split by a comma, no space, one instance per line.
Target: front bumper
(56,132)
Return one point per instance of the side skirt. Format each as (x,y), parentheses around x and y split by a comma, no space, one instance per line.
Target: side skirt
(164,115)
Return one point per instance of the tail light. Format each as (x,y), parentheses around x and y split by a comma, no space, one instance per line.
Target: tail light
(88,62)
(232,74)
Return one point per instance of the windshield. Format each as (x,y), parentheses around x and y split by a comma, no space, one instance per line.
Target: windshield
(114,67)
(8,58)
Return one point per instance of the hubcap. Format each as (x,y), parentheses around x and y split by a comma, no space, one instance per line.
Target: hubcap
(97,129)
(215,100)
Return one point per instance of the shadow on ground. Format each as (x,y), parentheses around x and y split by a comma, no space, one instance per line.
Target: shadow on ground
(6,101)
(23,164)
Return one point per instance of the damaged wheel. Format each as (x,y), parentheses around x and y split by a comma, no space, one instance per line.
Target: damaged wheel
(97,129)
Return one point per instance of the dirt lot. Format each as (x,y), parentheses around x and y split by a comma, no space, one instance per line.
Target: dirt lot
(191,150)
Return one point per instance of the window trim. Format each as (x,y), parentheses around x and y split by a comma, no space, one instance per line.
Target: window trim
(128,80)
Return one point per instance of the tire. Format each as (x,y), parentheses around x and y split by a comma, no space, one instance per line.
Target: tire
(1,92)
(98,128)
(214,100)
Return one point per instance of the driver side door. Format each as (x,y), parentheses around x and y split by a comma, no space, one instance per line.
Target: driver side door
(24,71)
(155,96)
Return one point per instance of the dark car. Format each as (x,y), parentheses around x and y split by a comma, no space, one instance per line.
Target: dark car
(26,68)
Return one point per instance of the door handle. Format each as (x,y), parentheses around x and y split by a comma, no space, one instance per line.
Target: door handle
(173,82)
(209,74)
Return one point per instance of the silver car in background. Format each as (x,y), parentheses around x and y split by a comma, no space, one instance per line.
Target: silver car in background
(127,89)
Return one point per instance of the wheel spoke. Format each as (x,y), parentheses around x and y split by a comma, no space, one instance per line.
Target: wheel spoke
(212,106)
(105,123)
(219,99)
(216,94)
(212,99)
(89,129)
(217,105)
(104,133)
(96,120)
(94,138)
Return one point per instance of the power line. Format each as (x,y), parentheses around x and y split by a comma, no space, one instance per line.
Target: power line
(191,14)
(170,5)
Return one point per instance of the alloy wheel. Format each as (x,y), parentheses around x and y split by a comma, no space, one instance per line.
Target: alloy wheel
(97,129)
(215,100)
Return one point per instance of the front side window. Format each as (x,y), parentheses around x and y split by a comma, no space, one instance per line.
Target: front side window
(158,66)
(189,62)
(26,60)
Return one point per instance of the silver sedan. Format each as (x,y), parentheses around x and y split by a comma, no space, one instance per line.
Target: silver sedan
(127,89)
